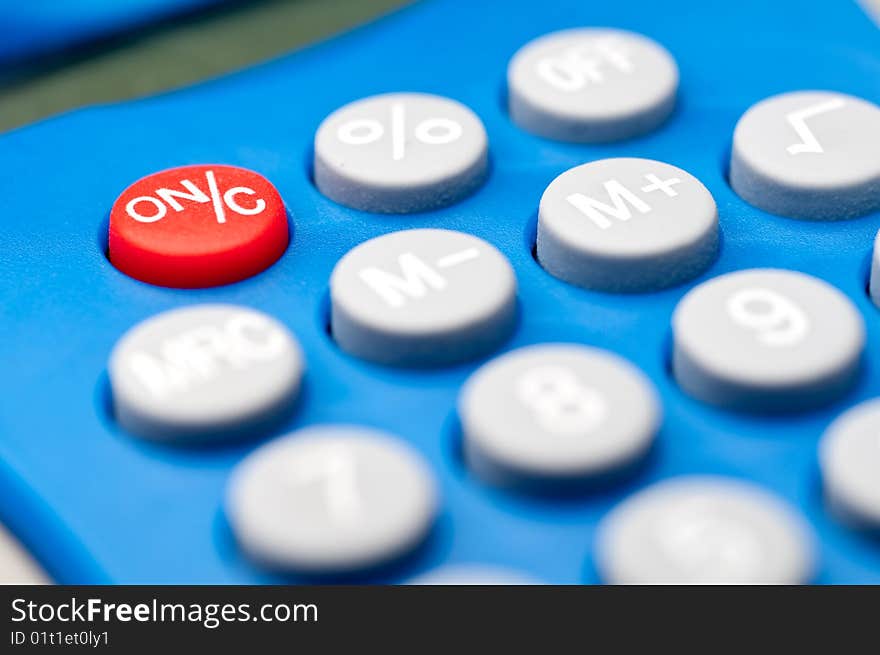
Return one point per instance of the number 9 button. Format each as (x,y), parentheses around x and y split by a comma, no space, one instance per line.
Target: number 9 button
(766,340)
(557,413)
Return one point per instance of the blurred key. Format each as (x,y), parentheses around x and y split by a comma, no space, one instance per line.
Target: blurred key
(204,372)
(331,499)
(704,530)
(849,458)
(556,413)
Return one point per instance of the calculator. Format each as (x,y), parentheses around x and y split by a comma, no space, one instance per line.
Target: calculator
(553,292)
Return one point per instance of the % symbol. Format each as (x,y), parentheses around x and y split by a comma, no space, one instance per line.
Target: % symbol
(166,198)
(432,131)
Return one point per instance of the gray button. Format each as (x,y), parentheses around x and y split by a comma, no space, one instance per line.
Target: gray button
(591,85)
(473,574)
(16,564)
(849,456)
(331,499)
(626,225)
(204,371)
(421,298)
(557,412)
(874,282)
(704,530)
(766,340)
(809,154)
(400,152)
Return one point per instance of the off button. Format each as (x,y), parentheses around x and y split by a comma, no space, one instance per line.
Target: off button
(197,226)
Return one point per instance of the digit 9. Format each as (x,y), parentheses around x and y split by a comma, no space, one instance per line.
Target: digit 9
(778,321)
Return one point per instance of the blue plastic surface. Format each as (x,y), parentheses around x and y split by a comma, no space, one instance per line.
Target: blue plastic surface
(38,27)
(97,505)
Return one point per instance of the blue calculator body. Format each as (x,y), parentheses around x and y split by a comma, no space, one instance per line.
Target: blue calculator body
(97,505)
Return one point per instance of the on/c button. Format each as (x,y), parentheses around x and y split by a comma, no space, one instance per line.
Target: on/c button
(197,226)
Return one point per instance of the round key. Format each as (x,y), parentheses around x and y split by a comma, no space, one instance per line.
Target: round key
(207,371)
(849,457)
(197,226)
(556,413)
(331,499)
(400,153)
(809,154)
(874,279)
(626,225)
(766,340)
(704,530)
(591,85)
(422,298)
(473,574)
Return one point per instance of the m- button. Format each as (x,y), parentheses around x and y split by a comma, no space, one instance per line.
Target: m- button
(422,298)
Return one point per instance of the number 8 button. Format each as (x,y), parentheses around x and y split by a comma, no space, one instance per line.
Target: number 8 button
(555,414)
(766,340)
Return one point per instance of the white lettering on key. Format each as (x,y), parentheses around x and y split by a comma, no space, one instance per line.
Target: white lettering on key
(432,131)
(702,542)
(598,211)
(776,319)
(171,198)
(333,468)
(580,65)
(559,402)
(797,119)
(170,195)
(416,279)
(656,184)
(200,354)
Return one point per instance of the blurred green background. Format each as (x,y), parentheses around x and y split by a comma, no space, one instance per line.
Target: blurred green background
(177,52)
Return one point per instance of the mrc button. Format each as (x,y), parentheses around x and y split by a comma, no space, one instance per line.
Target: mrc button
(197,226)
(204,372)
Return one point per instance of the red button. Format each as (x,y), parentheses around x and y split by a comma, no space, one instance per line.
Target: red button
(197,226)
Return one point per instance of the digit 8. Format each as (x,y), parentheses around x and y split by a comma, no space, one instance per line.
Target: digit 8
(559,402)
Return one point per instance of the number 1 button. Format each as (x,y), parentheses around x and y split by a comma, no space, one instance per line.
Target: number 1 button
(197,226)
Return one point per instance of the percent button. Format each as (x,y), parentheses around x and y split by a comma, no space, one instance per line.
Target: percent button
(400,153)
(197,226)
